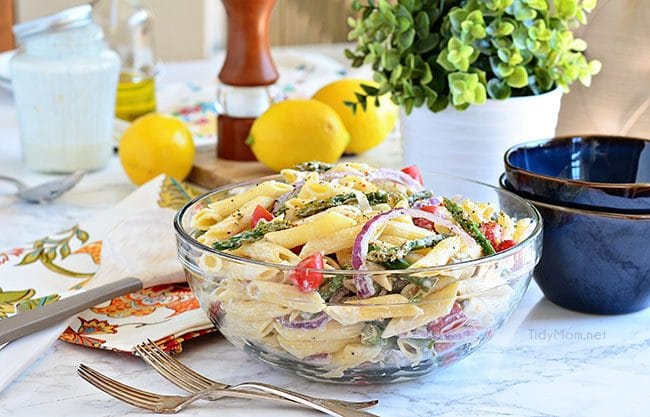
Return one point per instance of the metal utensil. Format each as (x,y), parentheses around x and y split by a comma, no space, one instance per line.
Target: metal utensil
(47,191)
(141,246)
(169,404)
(193,382)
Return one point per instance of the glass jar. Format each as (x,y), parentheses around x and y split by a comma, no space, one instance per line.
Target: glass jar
(129,29)
(64,80)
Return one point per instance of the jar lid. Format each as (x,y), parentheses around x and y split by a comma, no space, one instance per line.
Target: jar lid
(69,18)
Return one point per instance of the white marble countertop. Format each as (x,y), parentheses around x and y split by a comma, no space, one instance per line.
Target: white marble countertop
(546,361)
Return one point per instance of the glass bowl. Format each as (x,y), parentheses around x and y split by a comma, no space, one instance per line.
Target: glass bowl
(352,343)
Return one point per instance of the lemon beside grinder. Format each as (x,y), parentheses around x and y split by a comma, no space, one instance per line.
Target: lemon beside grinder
(295,131)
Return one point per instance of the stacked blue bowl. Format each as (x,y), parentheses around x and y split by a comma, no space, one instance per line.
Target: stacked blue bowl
(594,195)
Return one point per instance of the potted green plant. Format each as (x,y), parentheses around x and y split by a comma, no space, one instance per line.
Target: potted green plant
(473,77)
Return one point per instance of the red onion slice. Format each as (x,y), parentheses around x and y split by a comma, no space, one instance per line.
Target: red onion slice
(363,282)
(318,359)
(287,196)
(452,321)
(313,323)
(462,333)
(360,247)
(433,201)
(395,176)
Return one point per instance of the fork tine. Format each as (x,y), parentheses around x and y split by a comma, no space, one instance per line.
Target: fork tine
(115,392)
(161,361)
(167,358)
(135,392)
(167,372)
(182,376)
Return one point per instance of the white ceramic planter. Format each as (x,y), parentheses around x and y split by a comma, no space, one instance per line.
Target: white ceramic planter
(471,143)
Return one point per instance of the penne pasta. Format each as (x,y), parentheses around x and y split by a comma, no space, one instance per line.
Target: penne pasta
(250,310)
(507,223)
(433,307)
(319,227)
(335,242)
(303,348)
(350,356)
(523,228)
(266,251)
(270,189)
(406,231)
(331,331)
(376,308)
(285,295)
(237,221)
(440,254)
(205,219)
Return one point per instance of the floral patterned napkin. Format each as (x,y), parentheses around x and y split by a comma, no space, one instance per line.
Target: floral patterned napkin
(59,265)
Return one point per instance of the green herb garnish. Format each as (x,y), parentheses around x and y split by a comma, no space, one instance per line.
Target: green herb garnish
(469,226)
(250,236)
(419,196)
(198,233)
(381,254)
(317,206)
(371,335)
(374,198)
(327,290)
(313,166)
(423,282)
(397,264)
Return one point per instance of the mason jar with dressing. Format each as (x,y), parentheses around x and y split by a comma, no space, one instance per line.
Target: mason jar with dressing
(64,79)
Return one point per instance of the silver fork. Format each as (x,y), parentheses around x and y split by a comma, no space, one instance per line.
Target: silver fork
(193,382)
(47,191)
(169,404)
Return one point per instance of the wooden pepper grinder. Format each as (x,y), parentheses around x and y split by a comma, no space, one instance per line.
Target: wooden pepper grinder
(247,72)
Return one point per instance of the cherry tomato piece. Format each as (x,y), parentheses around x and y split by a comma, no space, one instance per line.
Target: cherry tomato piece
(492,232)
(506,244)
(424,223)
(414,172)
(260,213)
(305,280)
(430,209)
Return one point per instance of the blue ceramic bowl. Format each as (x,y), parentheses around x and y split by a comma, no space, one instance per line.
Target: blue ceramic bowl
(601,173)
(593,262)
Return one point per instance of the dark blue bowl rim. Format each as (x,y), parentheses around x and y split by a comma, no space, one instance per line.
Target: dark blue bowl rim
(545,142)
(503,182)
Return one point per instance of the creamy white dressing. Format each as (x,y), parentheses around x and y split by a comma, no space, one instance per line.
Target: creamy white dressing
(64,85)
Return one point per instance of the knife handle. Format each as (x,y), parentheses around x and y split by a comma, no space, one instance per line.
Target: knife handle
(45,316)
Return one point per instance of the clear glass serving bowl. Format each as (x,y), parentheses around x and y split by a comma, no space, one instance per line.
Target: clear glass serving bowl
(477,297)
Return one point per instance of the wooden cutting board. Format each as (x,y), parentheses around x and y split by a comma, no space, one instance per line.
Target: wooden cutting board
(210,172)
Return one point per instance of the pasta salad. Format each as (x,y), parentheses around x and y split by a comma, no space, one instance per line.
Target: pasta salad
(352,266)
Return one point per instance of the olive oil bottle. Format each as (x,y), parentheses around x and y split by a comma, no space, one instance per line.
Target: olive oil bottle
(136,96)
(128,25)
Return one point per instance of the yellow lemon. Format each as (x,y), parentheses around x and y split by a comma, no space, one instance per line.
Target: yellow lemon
(367,128)
(295,131)
(156,144)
